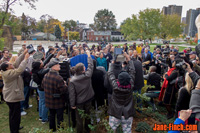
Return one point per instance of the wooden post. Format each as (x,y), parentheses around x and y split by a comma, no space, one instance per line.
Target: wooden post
(197,22)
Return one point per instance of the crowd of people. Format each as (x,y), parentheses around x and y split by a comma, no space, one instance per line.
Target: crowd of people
(104,78)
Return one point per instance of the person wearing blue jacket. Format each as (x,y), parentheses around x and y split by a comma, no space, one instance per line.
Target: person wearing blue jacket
(184,115)
(101,61)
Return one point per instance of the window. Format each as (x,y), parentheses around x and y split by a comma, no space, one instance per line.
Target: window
(97,38)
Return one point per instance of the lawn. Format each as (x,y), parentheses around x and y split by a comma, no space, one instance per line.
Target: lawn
(31,123)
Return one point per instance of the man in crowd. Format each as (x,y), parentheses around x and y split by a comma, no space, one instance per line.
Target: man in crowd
(5,57)
(13,89)
(55,89)
(22,49)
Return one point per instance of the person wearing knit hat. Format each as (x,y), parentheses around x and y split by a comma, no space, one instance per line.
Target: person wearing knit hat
(121,108)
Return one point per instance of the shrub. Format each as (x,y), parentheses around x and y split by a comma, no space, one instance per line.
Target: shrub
(143,127)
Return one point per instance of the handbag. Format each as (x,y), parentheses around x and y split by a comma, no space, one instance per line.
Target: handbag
(33,85)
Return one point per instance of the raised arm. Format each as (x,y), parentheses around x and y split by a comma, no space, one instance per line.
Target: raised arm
(90,68)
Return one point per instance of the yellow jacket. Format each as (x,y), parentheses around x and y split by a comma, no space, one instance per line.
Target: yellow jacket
(139,49)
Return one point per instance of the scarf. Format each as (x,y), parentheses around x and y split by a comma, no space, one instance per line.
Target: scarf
(165,83)
(124,86)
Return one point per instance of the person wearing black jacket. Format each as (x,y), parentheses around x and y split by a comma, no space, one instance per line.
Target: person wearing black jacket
(117,67)
(26,78)
(153,79)
(184,95)
(139,80)
(98,86)
(38,73)
(170,91)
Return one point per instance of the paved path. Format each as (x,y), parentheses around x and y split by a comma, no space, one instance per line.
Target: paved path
(18,44)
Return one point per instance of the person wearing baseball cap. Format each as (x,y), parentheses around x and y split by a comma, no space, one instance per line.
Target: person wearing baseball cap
(192,55)
(55,89)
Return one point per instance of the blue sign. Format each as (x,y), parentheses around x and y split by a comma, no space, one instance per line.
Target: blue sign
(199,41)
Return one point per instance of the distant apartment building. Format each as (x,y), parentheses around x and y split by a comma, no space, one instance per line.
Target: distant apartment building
(190,29)
(172,9)
(183,20)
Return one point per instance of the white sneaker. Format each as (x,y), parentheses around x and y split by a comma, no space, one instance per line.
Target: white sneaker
(23,113)
(30,106)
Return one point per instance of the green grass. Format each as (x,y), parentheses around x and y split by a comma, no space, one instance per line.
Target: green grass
(14,52)
(30,121)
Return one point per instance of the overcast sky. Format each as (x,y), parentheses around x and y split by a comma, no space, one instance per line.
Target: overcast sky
(84,10)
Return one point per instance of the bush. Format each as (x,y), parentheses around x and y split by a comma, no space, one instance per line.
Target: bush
(143,127)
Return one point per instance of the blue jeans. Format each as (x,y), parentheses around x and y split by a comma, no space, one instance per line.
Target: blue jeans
(24,104)
(43,110)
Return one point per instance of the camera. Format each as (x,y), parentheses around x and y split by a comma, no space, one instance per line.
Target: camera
(181,65)
(30,49)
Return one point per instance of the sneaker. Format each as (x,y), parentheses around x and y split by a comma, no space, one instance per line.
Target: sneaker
(23,113)
(40,118)
(43,122)
(30,106)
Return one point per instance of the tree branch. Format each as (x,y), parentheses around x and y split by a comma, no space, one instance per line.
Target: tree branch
(12,2)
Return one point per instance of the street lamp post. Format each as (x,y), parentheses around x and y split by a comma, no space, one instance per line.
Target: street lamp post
(197,22)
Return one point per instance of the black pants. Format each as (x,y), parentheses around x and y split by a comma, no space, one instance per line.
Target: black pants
(1,95)
(14,116)
(86,107)
(53,112)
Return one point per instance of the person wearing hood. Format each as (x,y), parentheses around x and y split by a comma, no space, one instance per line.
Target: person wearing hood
(38,72)
(117,67)
(13,89)
(121,108)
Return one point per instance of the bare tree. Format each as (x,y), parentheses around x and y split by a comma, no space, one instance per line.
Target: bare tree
(8,4)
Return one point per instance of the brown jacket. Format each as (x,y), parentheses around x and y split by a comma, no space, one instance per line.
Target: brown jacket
(53,84)
(13,82)
(80,86)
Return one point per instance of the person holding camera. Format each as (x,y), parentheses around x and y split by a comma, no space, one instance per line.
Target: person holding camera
(81,92)
(55,90)
(13,89)
(168,89)
(38,72)
(121,108)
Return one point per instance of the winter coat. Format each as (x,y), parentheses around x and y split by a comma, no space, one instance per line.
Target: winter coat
(13,90)
(122,103)
(38,74)
(55,90)
(80,86)
(117,67)
(139,80)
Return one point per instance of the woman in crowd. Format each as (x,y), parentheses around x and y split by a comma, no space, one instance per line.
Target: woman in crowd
(13,59)
(184,95)
(38,73)
(170,92)
(101,61)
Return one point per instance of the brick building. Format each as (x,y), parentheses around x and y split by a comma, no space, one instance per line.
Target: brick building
(99,35)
